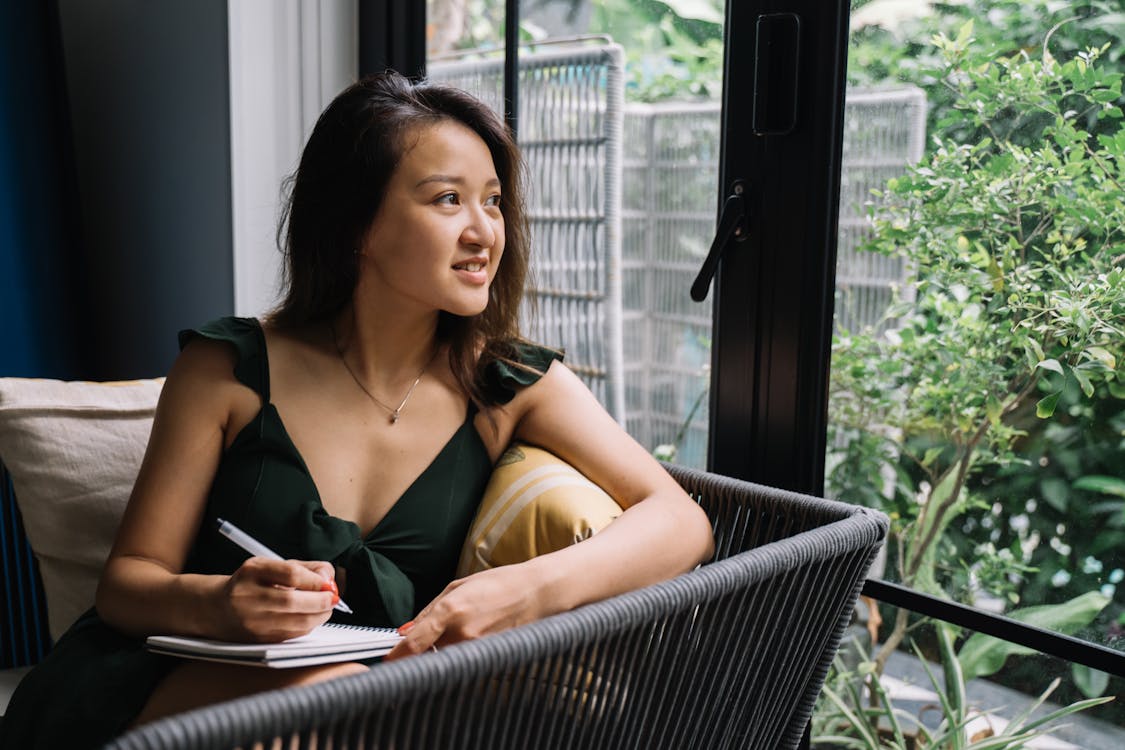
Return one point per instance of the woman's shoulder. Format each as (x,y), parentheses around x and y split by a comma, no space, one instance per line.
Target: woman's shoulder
(228,345)
(511,366)
(241,332)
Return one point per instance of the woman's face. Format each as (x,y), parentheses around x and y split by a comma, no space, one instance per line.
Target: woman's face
(436,241)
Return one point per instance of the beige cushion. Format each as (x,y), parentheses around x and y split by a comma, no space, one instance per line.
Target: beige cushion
(73,450)
(534,503)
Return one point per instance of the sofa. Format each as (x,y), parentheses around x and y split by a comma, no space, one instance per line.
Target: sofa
(732,654)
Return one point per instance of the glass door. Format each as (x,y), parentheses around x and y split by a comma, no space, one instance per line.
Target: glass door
(976,390)
(618,115)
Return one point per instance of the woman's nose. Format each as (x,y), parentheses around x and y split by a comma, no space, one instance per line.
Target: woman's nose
(480,230)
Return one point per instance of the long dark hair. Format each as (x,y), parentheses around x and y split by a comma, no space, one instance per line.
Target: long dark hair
(339,185)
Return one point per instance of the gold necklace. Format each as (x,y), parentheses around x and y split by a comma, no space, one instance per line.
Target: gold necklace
(395,412)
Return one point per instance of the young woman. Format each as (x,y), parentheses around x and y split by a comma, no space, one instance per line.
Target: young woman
(353,431)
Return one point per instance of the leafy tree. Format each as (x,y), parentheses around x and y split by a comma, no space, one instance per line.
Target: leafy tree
(1015,241)
(673,48)
(1002,28)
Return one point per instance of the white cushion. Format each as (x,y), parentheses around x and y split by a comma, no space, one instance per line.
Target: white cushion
(73,450)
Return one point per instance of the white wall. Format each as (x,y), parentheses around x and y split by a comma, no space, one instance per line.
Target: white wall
(288,59)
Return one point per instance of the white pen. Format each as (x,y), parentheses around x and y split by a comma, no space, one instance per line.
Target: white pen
(257,549)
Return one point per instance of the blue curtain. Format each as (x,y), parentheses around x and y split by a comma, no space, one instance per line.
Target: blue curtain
(40,262)
(40,273)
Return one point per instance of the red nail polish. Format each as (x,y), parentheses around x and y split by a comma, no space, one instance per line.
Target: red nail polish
(405,627)
(330,586)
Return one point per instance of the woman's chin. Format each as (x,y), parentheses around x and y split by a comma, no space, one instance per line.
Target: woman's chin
(466,310)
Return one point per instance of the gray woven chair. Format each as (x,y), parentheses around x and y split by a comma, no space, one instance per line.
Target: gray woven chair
(731,655)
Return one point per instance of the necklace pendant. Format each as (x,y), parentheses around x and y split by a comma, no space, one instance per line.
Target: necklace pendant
(394,416)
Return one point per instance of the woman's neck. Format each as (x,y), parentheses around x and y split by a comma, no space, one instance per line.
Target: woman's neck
(386,348)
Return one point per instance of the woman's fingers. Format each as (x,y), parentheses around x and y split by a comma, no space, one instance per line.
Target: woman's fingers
(294,574)
(483,603)
(325,570)
(279,599)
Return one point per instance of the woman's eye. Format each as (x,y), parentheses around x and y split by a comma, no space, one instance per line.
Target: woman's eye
(492,200)
(449,199)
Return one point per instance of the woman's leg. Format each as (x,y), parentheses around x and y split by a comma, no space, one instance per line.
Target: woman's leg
(198,683)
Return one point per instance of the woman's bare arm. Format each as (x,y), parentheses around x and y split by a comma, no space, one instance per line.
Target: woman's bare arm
(662,532)
(142,588)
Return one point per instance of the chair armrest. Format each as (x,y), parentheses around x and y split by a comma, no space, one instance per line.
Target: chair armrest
(745,515)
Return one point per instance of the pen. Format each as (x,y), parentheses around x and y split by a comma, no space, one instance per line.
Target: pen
(257,549)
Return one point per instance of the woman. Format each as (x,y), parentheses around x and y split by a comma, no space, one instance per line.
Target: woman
(353,432)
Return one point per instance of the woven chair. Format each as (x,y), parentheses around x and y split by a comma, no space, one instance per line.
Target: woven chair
(731,655)
(570,116)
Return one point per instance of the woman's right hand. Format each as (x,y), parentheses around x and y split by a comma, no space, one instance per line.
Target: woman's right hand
(272,600)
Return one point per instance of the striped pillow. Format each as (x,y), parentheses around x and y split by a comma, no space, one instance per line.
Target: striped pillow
(534,503)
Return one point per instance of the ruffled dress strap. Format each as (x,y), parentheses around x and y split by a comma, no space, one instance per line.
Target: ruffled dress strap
(245,334)
(502,379)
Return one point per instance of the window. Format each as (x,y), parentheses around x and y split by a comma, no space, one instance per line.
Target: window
(968,399)
(618,116)
(821,106)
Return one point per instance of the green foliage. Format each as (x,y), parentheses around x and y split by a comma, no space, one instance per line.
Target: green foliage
(982,655)
(673,48)
(1012,321)
(846,719)
(1017,283)
(1002,28)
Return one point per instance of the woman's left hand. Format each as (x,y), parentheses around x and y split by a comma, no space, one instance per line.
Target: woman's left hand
(483,603)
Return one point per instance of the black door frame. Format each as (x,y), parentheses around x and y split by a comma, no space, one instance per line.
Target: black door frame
(783,111)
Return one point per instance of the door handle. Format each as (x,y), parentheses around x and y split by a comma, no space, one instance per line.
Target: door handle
(732,224)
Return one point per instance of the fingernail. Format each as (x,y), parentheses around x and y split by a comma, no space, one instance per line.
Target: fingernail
(330,586)
(405,627)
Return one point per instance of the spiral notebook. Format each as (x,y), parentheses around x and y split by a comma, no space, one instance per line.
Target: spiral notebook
(325,644)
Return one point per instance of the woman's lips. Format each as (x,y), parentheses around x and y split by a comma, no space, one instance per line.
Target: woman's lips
(473,271)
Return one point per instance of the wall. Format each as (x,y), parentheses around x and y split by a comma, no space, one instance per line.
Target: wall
(149,105)
(39,264)
(142,149)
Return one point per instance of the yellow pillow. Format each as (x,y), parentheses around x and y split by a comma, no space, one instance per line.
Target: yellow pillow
(534,503)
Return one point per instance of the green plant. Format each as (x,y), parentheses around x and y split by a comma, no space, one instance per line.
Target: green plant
(902,52)
(1015,241)
(673,48)
(849,720)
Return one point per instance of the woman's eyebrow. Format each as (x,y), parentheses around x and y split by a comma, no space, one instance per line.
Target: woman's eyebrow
(494,182)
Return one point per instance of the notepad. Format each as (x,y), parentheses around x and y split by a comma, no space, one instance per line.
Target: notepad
(325,644)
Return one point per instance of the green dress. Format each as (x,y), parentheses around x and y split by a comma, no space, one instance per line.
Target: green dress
(95,680)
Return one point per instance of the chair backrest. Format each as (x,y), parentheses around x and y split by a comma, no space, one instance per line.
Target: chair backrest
(731,655)
(569,128)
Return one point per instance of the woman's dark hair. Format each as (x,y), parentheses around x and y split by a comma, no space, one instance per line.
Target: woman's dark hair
(340,184)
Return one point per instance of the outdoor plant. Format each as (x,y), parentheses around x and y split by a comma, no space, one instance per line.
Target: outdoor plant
(674,48)
(880,725)
(1012,231)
